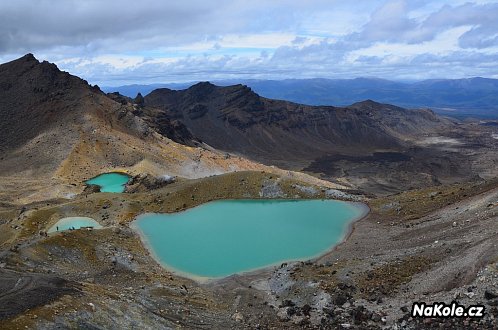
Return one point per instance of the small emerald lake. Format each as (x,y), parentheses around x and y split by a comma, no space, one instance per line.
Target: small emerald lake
(226,237)
(110,182)
(74,223)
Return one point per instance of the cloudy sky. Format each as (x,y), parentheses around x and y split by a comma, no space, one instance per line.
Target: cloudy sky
(112,43)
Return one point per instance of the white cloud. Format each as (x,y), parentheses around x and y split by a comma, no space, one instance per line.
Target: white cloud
(444,43)
(160,41)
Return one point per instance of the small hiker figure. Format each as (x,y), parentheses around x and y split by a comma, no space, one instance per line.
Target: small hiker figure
(57,228)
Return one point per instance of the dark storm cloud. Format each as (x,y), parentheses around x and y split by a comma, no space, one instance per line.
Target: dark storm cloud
(36,25)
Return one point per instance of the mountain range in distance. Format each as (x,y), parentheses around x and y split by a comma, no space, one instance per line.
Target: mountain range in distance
(461,98)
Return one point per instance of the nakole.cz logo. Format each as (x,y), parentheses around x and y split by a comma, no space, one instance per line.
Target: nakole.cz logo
(443,310)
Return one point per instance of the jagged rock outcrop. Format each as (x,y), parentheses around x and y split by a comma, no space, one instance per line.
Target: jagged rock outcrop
(146,182)
(139,100)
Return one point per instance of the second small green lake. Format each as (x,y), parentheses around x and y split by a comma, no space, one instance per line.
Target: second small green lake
(74,223)
(110,182)
(222,238)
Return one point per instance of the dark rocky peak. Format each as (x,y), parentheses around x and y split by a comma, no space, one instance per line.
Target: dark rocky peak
(20,65)
(116,96)
(33,97)
(28,74)
(203,85)
(161,91)
(196,101)
(366,103)
(161,97)
(201,91)
(244,88)
(139,100)
(370,105)
(47,66)
(28,58)
(243,98)
(240,89)
(28,62)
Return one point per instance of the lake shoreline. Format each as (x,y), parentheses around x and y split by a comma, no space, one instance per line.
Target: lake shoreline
(145,240)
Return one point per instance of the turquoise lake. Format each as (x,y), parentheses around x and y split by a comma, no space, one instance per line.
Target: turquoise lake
(222,238)
(110,182)
(74,222)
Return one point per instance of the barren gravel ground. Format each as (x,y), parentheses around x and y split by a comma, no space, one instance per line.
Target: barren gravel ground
(436,244)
